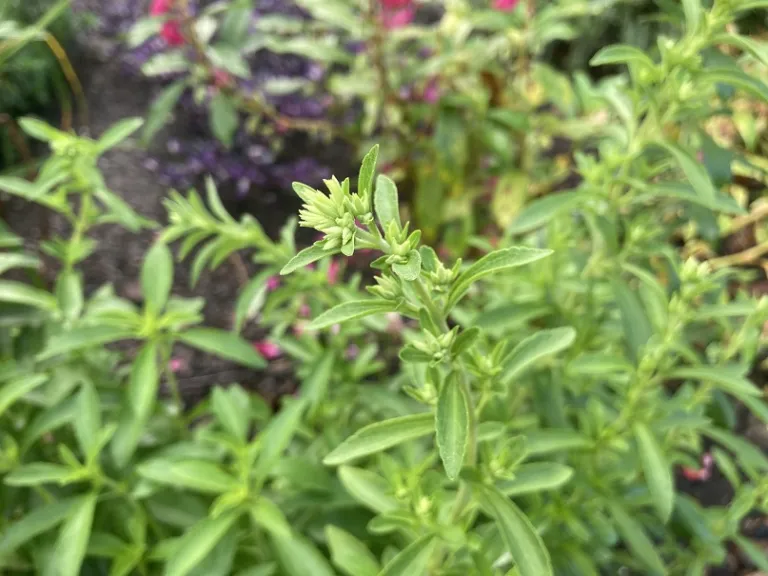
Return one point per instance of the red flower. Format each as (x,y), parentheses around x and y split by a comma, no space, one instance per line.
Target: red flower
(397,13)
(395,4)
(505,5)
(702,474)
(171,31)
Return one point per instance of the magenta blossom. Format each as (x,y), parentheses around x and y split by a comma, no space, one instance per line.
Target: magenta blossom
(269,350)
(273,282)
(431,93)
(397,13)
(333,272)
(505,5)
(171,31)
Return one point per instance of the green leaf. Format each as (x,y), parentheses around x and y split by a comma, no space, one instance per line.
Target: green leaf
(299,557)
(143,384)
(161,109)
(157,277)
(51,419)
(69,294)
(657,472)
(17,388)
(223,344)
(497,261)
(413,560)
(519,535)
(540,345)
(620,54)
(223,118)
(694,171)
(121,212)
(88,421)
(381,436)
(73,537)
(754,552)
(42,131)
(692,11)
(368,488)
(637,327)
(554,440)
(251,299)
(367,169)
(199,475)
(306,257)
(542,210)
(385,202)
(10,261)
(168,62)
(350,311)
(412,267)
(315,386)
(452,425)
(744,43)
(232,408)
(637,540)
(536,477)
(738,79)
(747,453)
(38,473)
(117,133)
(19,293)
(36,522)
(198,542)
(268,515)
(84,337)
(349,554)
(728,378)
(276,437)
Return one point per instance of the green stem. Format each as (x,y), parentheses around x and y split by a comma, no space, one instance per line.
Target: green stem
(173,385)
(80,227)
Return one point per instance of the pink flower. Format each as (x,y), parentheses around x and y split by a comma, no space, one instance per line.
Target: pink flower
(171,31)
(333,271)
(304,311)
(505,5)
(351,352)
(177,365)
(267,349)
(221,78)
(431,93)
(702,474)
(397,13)
(273,283)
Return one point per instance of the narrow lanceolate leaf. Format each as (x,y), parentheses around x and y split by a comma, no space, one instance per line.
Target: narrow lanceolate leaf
(658,473)
(34,523)
(223,344)
(728,378)
(268,515)
(350,311)
(88,421)
(554,440)
(536,477)
(744,43)
(315,386)
(386,202)
(142,387)
(381,436)
(692,11)
(694,171)
(413,560)
(37,473)
(161,109)
(544,209)
(157,277)
(754,552)
(737,79)
(306,257)
(299,557)
(80,338)
(251,300)
(73,537)
(540,345)
(519,535)
(11,391)
(620,54)
(20,293)
(198,542)
(119,132)
(276,437)
(349,554)
(10,261)
(637,540)
(367,169)
(497,261)
(199,475)
(452,425)
(232,409)
(368,488)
